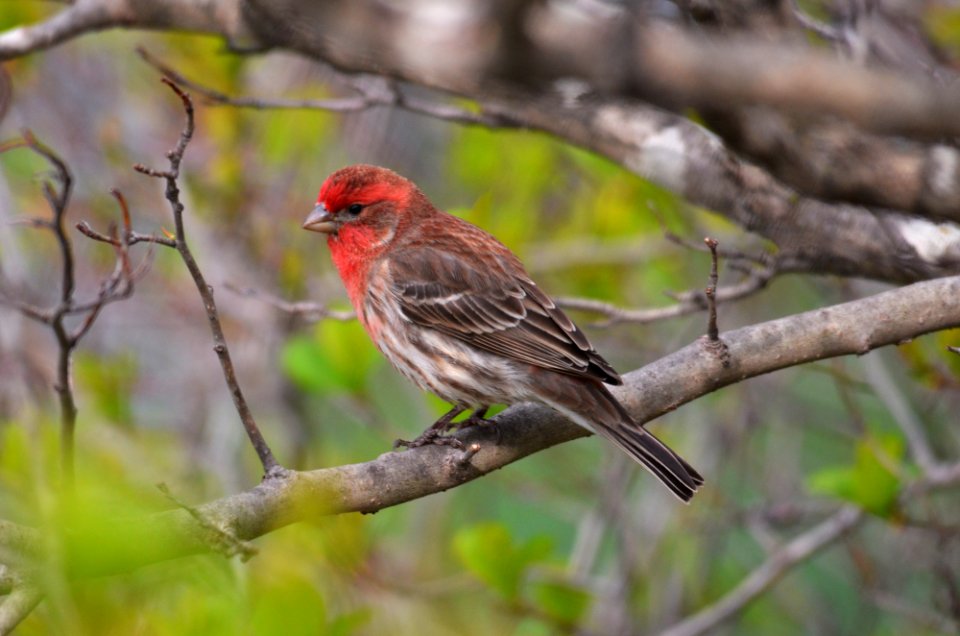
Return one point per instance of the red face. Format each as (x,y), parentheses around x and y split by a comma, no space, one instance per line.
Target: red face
(360,206)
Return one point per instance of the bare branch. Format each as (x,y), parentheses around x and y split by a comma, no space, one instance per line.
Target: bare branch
(797,551)
(373,91)
(172,191)
(688,302)
(923,617)
(713,332)
(58,200)
(888,392)
(309,310)
(134,237)
(852,328)
(17,606)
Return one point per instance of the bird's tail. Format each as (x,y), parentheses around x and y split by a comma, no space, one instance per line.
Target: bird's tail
(593,407)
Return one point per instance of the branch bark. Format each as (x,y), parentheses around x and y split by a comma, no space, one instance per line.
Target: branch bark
(852,328)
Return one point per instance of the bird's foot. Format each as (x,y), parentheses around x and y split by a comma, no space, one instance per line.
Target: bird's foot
(435,433)
(431,436)
(479,418)
(476,418)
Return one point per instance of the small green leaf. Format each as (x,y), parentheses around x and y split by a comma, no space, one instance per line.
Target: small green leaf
(561,601)
(872,481)
(338,356)
(293,607)
(488,552)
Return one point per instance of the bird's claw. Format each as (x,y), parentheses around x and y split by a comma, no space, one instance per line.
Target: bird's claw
(430,437)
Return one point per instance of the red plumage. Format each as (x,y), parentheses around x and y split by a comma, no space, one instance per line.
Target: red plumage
(454,310)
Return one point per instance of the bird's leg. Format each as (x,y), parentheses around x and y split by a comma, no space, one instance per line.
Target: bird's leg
(478,417)
(434,433)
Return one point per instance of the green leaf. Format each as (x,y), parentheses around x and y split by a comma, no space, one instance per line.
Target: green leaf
(488,552)
(293,607)
(872,481)
(349,623)
(339,356)
(561,601)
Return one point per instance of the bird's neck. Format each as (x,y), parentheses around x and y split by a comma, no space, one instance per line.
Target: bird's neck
(354,250)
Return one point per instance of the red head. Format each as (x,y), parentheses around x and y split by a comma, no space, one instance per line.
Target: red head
(363,209)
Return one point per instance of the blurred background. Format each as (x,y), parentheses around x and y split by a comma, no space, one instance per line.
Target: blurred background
(575,539)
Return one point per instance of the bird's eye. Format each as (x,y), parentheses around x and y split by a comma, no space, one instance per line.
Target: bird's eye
(355,209)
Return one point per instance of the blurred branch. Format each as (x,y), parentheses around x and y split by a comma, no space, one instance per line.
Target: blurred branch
(308,310)
(172,192)
(373,90)
(538,45)
(88,16)
(889,393)
(666,148)
(778,564)
(852,328)
(17,606)
(688,302)
(922,616)
(118,286)
(220,540)
(836,161)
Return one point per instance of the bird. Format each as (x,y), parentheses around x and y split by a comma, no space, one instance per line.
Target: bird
(454,310)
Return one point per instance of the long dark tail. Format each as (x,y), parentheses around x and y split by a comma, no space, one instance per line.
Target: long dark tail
(591,405)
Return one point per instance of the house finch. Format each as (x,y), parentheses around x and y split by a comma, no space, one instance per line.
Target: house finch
(454,310)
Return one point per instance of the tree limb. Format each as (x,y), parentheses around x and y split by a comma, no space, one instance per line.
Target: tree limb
(852,328)
(801,548)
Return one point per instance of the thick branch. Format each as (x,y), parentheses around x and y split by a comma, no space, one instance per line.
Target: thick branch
(17,606)
(836,161)
(851,328)
(676,153)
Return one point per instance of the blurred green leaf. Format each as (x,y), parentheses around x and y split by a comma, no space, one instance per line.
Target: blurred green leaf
(292,608)
(872,481)
(561,601)
(488,552)
(348,623)
(110,381)
(534,627)
(338,356)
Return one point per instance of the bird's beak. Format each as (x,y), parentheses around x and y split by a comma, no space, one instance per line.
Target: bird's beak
(320,220)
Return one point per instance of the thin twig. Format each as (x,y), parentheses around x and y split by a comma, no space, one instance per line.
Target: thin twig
(134,237)
(172,192)
(373,91)
(117,286)
(792,554)
(308,310)
(713,333)
(58,199)
(688,302)
(924,617)
(887,390)
(827,32)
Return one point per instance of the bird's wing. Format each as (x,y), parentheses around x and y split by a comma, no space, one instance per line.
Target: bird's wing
(493,306)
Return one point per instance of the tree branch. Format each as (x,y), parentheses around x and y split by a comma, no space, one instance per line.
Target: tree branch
(676,153)
(17,606)
(117,286)
(855,328)
(800,549)
(172,192)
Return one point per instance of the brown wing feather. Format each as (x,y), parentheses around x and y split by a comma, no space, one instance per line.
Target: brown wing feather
(492,305)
